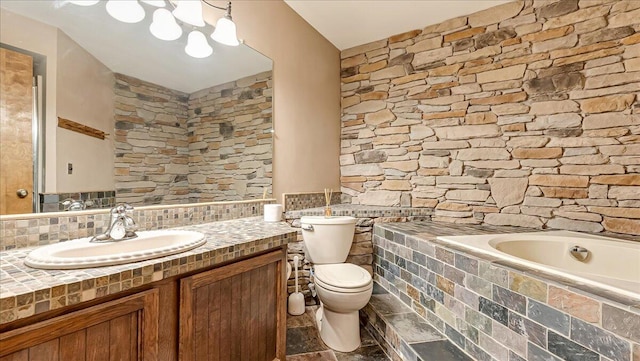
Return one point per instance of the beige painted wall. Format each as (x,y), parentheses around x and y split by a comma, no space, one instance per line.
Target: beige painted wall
(306,94)
(84,95)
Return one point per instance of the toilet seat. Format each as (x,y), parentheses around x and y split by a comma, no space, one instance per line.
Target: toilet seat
(342,277)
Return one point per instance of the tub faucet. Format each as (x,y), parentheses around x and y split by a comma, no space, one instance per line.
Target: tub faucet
(121,226)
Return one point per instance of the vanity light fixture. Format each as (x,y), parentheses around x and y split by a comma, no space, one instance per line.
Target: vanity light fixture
(189,11)
(165,27)
(197,45)
(156,3)
(225,32)
(84,2)
(127,11)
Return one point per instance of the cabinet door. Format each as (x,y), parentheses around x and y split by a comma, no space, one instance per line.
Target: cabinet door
(125,329)
(236,312)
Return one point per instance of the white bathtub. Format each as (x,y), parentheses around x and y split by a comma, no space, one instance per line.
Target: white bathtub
(612,264)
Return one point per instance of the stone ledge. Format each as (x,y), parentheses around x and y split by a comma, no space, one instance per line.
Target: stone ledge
(403,334)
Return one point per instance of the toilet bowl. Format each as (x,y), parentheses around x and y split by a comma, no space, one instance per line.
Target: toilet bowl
(343,288)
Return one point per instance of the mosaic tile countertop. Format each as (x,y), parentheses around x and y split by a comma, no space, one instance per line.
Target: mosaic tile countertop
(362,211)
(25,291)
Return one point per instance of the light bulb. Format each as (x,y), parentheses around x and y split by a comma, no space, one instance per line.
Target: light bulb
(225,32)
(84,2)
(164,26)
(197,45)
(156,3)
(127,11)
(189,11)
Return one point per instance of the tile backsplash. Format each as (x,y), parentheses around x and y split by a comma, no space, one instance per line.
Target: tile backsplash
(31,230)
(92,200)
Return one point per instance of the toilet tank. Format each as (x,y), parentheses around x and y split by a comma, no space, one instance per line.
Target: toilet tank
(327,239)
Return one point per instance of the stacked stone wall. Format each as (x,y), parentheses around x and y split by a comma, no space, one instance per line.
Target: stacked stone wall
(230,140)
(151,142)
(212,145)
(526,114)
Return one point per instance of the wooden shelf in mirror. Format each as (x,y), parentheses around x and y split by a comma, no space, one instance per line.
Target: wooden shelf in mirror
(81,128)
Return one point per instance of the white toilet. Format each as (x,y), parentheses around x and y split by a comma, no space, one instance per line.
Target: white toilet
(343,288)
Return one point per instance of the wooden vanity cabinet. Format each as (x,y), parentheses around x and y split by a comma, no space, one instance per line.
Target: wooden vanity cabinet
(236,312)
(233,312)
(124,329)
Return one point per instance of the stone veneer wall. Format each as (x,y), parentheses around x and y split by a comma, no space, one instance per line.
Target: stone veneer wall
(494,311)
(151,142)
(525,114)
(212,145)
(230,140)
(30,230)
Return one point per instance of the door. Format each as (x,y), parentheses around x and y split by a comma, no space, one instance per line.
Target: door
(16,134)
(122,330)
(236,312)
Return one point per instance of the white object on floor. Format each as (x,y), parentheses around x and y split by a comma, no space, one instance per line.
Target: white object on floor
(343,288)
(296,299)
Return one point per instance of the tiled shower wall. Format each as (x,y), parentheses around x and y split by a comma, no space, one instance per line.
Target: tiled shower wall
(526,114)
(495,312)
(212,145)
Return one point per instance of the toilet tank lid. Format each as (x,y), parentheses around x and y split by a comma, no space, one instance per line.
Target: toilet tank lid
(342,275)
(327,220)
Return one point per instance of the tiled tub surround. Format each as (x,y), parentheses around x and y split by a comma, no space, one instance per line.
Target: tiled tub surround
(29,230)
(53,202)
(494,310)
(25,291)
(361,252)
(526,114)
(211,145)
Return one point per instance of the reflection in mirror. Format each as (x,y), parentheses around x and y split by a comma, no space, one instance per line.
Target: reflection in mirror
(178,129)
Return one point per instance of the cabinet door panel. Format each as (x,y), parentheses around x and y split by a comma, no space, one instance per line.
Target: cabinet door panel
(72,346)
(232,313)
(107,332)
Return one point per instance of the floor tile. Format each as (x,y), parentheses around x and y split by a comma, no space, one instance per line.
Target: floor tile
(366,353)
(442,350)
(304,340)
(412,328)
(304,320)
(314,356)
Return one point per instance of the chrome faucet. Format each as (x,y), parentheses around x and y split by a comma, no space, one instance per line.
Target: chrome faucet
(121,226)
(71,204)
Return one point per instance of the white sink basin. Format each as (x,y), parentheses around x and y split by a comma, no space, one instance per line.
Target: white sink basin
(80,253)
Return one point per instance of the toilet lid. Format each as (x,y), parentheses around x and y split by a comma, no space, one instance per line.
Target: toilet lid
(342,275)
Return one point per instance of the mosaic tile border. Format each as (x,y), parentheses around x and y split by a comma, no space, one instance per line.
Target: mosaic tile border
(493,311)
(297,201)
(37,229)
(26,291)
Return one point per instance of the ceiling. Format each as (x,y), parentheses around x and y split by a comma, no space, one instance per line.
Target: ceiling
(348,23)
(131,49)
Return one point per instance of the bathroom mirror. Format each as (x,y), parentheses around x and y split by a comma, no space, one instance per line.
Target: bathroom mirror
(126,117)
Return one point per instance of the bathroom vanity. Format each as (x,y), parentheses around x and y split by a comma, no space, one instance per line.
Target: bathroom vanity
(223,301)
